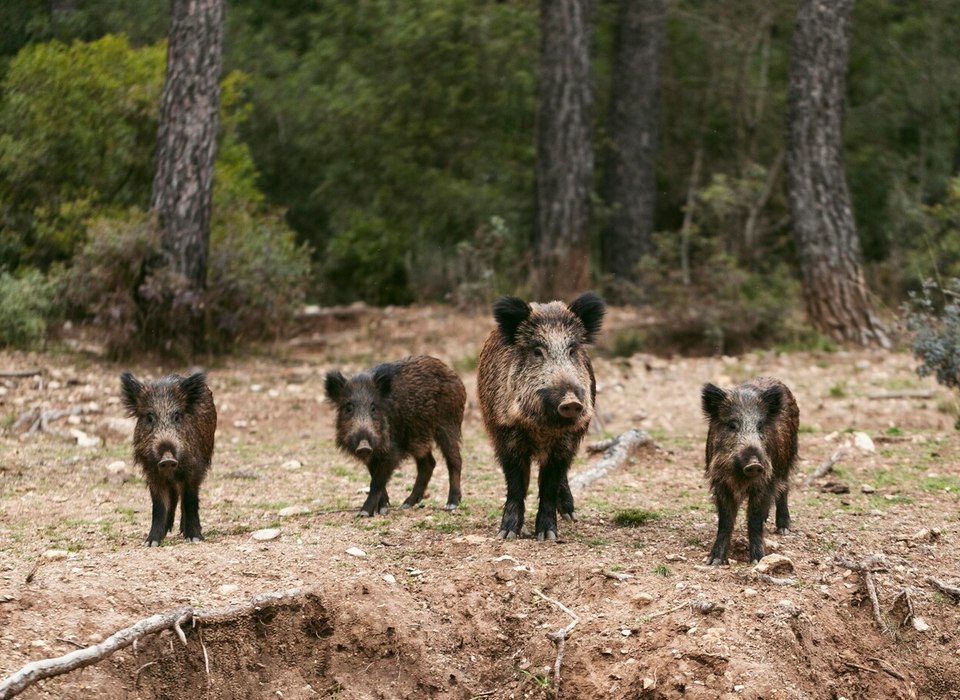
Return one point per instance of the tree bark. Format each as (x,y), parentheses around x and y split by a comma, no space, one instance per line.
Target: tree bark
(564,169)
(634,120)
(825,233)
(187,140)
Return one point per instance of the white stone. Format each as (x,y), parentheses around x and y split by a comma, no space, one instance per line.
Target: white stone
(356,552)
(291,465)
(293,510)
(864,442)
(389,578)
(270,533)
(55,554)
(228,588)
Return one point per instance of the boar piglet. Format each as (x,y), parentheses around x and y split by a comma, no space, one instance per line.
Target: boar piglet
(173,444)
(395,410)
(751,452)
(537,392)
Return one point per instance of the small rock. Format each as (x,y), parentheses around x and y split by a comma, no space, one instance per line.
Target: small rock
(270,533)
(864,442)
(293,510)
(607,651)
(389,578)
(774,564)
(919,624)
(228,588)
(867,488)
(84,440)
(255,388)
(118,467)
(291,465)
(835,487)
(356,552)
(675,557)
(739,688)
(626,633)
(643,599)
(55,554)
(926,535)
(648,683)
(749,592)
(241,424)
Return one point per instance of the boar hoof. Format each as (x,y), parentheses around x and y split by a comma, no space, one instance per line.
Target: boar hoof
(569,517)
(151,543)
(194,540)
(383,510)
(783,530)
(364,514)
(451,506)
(506,535)
(405,505)
(717,561)
(548,535)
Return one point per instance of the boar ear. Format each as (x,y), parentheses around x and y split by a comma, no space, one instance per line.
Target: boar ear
(383,378)
(711,398)
(510,312)
(333,385)
(772,399)
(193,388)
(589,308)
(130,392)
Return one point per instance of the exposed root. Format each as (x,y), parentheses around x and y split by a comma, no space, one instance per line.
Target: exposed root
(903,595)
(560,636)
(826,466)
(867,567)
(48,668)
(944,588)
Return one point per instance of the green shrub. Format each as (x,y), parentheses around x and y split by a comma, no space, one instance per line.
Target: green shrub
(28,307)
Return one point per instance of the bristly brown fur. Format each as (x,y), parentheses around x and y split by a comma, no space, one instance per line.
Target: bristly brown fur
(533,363)
(175,416)
(400,409)
(751,427)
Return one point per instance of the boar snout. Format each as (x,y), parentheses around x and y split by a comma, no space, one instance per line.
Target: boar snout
(168,461)
(570,406)
(363,449)
(753,469)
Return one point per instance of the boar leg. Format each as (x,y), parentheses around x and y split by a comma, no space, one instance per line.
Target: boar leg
(726,515)
(172,498)
(425,467)
(783,514)
(190,513)
(553,473)
(565,504)
(758,509)
(450,447)
(160,497)
(515,459)
(377,500)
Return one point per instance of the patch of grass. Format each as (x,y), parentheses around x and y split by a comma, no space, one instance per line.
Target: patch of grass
(942,482)
(662,570)
(542,681)
(448,527)
(593,542)
(839,390)
(804,428)
(627,342)
(635,517)
(467,363)
(893,430)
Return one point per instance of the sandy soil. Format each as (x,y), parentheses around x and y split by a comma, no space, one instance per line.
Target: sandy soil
(429,604)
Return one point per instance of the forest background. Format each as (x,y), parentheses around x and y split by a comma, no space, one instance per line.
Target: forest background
(386,152)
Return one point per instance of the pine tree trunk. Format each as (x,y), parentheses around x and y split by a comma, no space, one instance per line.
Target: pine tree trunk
(564,170)
(825,233)
(187,139)
(631,167)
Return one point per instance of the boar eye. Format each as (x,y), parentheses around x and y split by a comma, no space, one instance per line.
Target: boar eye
(348,409)
(149,419)
(733,424)
(572,350)
(539,353)
(373,410)
(759,426)
(176,417)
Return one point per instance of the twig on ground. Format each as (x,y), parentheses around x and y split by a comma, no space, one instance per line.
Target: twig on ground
(136,680)
(862,668)
(37,420)
(667,612)
(767,578)
(826,466)
(48,668)
(867,567)
(33,571)
(206,657)
(78,645)
(616,575)
(560,636)
(944,588)
(888,668)
(19,373)
(905,595)
(616,453)
(901,394)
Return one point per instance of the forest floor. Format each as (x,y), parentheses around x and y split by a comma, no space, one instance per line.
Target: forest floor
(426,603)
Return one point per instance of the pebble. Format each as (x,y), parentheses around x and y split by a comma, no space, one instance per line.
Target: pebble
(228,588)
(356,552)
(84,440)
(291,465)
(270,533)
(864,442)
(774,564)
(118,467)
(55,554)
(389,578)
(642,599)
(867,488)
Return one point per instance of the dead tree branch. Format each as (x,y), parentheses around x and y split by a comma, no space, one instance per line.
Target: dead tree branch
(944,588)
(826,465)
(560,636)
(48,668)
(867,567)
(20,373)
(617,452)
(902,394)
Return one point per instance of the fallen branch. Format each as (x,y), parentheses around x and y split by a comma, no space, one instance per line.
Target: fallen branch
(667,612)
(19,373)
(944,588)
(48,668)
(560,636)
(767,578)
(39,421)
(902,394)
(826,465)
(616,575)
(617,451)
(888,668)
(905,596)
(862,668)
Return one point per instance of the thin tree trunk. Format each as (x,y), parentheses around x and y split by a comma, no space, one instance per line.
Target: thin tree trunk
(827,245)
(564,170)
(688,210)
(187,140)
(634,121)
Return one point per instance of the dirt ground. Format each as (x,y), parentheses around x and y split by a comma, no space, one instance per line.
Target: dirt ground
(424,603)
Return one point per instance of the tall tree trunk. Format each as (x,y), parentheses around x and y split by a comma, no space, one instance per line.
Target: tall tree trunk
(634,119)
(187,139)
(564,170)
(827,245)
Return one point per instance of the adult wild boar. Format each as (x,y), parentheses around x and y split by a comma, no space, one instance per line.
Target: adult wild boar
(173,444)
(751,452)
(395,410)
(537,393)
